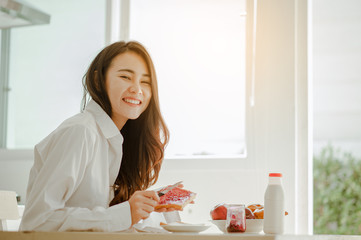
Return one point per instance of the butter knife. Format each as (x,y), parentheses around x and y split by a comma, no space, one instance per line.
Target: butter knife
(169,188)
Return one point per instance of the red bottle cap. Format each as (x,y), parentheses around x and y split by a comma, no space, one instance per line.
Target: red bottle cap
(275,175)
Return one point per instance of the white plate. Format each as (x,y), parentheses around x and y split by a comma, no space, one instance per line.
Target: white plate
(184,227)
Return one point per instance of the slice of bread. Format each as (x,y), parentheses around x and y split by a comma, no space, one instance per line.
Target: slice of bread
(177,198)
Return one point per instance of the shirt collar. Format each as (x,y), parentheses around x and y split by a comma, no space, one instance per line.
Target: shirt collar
(105,123)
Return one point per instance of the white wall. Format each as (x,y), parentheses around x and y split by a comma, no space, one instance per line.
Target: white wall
(14,170)
(280,131)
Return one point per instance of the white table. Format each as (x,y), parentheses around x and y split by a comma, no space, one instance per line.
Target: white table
(163,236)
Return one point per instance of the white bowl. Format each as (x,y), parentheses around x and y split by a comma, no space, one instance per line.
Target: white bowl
(252,225)
(221,224)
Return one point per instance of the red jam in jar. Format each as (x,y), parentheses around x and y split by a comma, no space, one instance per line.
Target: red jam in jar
(236,218)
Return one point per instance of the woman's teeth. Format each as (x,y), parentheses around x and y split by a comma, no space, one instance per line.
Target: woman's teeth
(132,101)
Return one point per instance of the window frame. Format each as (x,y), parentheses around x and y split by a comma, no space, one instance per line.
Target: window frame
(4,84)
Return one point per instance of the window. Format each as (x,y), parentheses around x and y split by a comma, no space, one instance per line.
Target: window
(198,48)
(337,115)
(47,63)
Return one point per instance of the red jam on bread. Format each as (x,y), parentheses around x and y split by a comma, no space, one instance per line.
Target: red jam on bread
(177,198)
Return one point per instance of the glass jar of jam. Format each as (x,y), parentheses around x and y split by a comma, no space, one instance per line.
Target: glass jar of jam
(236,218)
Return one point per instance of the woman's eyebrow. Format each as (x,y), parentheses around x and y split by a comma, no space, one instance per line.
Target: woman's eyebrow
(126,70)
(131,71)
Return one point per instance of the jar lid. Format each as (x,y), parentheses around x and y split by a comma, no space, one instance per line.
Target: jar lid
(275,175)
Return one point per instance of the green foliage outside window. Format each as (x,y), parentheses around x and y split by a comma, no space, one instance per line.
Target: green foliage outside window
(337,193)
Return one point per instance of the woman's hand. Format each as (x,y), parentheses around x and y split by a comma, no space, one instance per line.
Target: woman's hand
(142,203)
(166,210)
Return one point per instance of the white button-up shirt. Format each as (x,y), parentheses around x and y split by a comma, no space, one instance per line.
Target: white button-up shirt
(70,183)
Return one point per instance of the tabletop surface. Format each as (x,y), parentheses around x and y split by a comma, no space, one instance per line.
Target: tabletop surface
(160,236)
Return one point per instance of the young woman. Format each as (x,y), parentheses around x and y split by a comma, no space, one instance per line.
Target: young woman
(92,172)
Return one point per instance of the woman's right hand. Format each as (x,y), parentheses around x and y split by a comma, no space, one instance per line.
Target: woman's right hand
(142,203)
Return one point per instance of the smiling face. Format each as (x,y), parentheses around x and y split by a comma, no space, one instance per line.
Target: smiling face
(128,85)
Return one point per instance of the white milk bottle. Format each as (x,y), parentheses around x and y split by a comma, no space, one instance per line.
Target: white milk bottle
(274,205)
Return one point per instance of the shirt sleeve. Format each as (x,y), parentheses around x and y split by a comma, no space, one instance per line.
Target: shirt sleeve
(60,164)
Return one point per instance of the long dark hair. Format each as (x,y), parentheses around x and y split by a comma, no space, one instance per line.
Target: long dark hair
(144,138)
